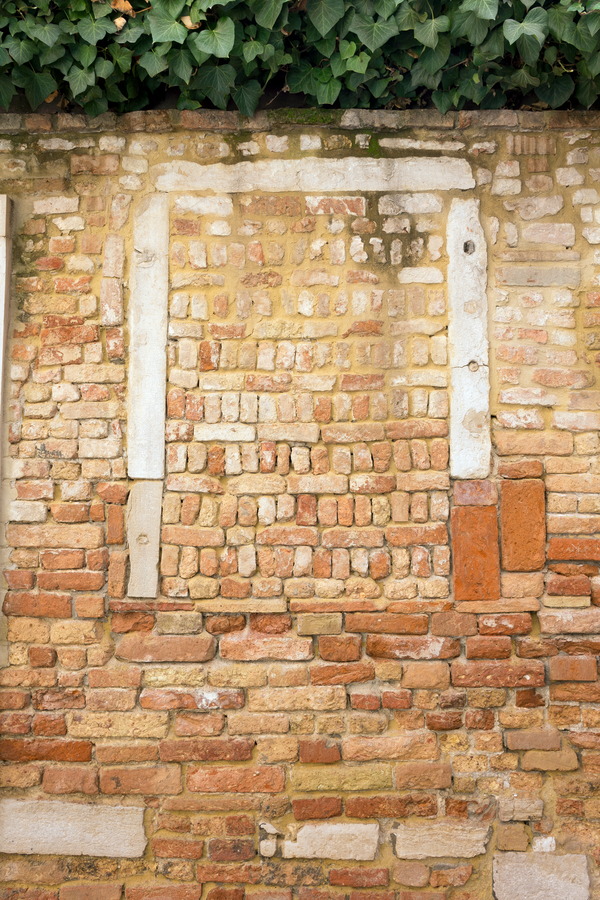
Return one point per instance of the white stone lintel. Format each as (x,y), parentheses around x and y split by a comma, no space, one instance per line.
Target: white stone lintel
(325,840)
(441,173)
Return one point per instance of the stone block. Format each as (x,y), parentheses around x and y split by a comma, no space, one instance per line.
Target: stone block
(325,840)
(71,829)
(541,876)
(440,839)
(143,537)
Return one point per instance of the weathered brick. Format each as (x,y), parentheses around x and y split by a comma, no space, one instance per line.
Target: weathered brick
(476,555)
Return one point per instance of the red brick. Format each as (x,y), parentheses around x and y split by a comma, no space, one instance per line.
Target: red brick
(317,808)
(359,877)
(475,551)
(393,647)
(475,493)
(569,585)
(525,468)
(172,848)
(573,668)
(70,780)
(341,673)
(489,647)
(215,872)
(387,623)
(231,851)
(257,779)
(406,535)
(42,605)
(497,674)
(141,780)
(453,624)
(392,805)
(318,751)
(141,647)
(340,648)
(574,548)
(505,623)
(208,750)
(523,525)
(91,892)
(164,891)
(59,751)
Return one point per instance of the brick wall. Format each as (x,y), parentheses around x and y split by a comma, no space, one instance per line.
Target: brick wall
(301,487)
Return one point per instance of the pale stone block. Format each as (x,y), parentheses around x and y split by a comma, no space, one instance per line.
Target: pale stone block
(303,432)
(468,346)
(395,204)
(325,840)
(71,829)
(438,839)
(143,537)
(53,205)
(420,275)
(541,876)
(148,313)
(223,432)
(28,511)
(441,173)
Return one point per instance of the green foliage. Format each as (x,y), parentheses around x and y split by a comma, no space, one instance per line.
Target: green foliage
(128,54)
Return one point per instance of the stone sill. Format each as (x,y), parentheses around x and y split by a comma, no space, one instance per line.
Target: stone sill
(156,121)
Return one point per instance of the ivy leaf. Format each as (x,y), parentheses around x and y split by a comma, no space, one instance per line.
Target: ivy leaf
(246,97)
(386,8)
(535,25)
(557,91)
(374,34)
(164,28)
(80,80)
(358,63)
(153,63)
(267,12)
(436,58)
(42,31)
(170,8)
(427,32)
(443,101)
(328,91)
(347,49)
(324,14)
(93,30)
(122,57)
(20,50)
(252,49)
(38,86)
(219,40)
(467,24)
(216,83)
(7,91)
(104,68)
(180,64)
(483,9)
(587,92)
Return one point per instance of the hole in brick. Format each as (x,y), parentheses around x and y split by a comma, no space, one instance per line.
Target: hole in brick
(469,247)
(474,366)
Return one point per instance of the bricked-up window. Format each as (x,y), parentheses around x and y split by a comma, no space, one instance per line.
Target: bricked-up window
(5,271)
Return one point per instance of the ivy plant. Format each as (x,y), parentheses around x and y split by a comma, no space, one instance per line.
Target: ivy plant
(124,55)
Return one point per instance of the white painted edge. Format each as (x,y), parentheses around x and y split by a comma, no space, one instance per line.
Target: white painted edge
(5,278)
(468,342)
(148,319)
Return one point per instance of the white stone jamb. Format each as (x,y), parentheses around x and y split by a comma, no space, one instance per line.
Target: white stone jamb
(5,277)
(147,388)
(468,343)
